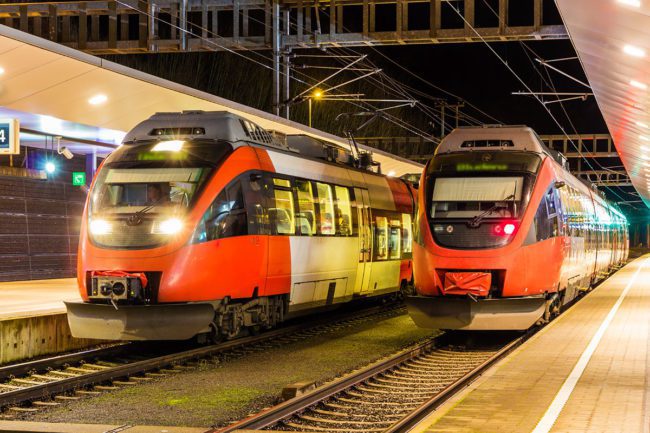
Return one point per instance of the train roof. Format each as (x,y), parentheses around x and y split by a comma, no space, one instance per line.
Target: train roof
(518,137)
(502,137)
(239,131)
(211,125)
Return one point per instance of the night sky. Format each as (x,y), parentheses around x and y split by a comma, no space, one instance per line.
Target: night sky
(469,71)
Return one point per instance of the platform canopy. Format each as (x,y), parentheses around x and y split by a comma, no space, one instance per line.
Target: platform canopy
(612,39)
(57,90)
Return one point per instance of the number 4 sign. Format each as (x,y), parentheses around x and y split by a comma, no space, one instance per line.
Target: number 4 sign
(9,137)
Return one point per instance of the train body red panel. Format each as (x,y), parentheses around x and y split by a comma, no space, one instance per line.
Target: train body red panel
(201,222)
(505,235)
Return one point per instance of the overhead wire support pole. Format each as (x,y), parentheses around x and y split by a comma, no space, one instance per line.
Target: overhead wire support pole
(287,67)
(183,19)
(352,80)
(561,72)
(563,59)
(310,88)
(552,94)
(277,37)
(572,98)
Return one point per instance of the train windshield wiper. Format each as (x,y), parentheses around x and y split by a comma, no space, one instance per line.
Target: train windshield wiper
(476,221)
(136,217)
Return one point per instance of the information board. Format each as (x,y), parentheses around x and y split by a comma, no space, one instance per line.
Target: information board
(9,137)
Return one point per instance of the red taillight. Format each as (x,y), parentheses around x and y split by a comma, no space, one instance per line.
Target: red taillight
(505,229)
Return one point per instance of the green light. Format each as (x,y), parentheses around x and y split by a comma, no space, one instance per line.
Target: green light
(483,166)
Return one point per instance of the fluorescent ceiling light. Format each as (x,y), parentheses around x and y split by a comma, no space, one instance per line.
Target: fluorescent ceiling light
(643,137)
(642,125)
(98,99)
(634,51)
(638,85)
(635,3)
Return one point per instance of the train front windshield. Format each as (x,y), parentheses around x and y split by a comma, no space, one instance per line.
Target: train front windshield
(476,199)
(141,195)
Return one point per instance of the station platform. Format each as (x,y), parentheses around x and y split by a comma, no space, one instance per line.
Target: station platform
(33,321)
(37,297)
(587,371)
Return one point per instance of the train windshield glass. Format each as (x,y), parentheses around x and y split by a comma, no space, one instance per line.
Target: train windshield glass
(467,197)
(161,176)
(471,195)
(127,190)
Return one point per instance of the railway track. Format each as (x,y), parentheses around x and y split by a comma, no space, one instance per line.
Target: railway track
(390,395)
(31,386)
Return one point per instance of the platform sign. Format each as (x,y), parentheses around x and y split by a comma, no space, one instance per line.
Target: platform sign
(78,178)
(9,137)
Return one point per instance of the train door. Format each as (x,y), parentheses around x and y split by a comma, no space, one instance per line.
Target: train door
(362,283)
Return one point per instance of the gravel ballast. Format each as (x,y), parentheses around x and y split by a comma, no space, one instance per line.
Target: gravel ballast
(216,394)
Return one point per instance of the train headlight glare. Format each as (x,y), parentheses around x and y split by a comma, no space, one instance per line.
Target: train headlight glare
(169,226)
(169,146)
(100,227)
(509,229)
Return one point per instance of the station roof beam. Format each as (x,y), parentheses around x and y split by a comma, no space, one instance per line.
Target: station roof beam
(103,27)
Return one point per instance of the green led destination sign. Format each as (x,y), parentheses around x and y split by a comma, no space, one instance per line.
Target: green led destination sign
(481,166)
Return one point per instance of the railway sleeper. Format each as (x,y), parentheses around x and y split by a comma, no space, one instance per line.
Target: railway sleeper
(307,427)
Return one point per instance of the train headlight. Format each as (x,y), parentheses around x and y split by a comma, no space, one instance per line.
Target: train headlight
(100,227)
(169,226)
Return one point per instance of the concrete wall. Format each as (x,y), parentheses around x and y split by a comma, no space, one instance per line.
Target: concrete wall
(29,337)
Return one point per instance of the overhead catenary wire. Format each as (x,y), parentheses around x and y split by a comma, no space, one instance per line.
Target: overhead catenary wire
(390,118)
(522,82)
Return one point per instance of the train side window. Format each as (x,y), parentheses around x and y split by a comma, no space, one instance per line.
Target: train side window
(226,216)
(407,234)
(281,210)
(306,216)
(343,211)
(326,209)
(546,221)
(381,238)
(394,239)
(550,203)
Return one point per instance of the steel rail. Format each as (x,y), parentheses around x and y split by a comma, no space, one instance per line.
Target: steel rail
(39,365)
(294,406)
(407,423)
(47,389)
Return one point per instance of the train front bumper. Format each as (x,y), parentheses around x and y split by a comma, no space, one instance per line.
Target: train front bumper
(138,322)
(483,314)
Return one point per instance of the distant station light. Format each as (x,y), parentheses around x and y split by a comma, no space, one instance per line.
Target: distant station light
(2,70)
(98,99)
(634,51)
(638,85)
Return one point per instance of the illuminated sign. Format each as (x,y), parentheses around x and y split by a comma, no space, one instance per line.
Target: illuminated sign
(481,166)
(9,137)
(78,178)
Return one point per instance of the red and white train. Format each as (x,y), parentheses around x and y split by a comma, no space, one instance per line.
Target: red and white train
(201,222)
(505,235)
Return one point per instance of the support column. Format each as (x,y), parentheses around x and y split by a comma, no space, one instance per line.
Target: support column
(286,66)
(183,25)
(276,35)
